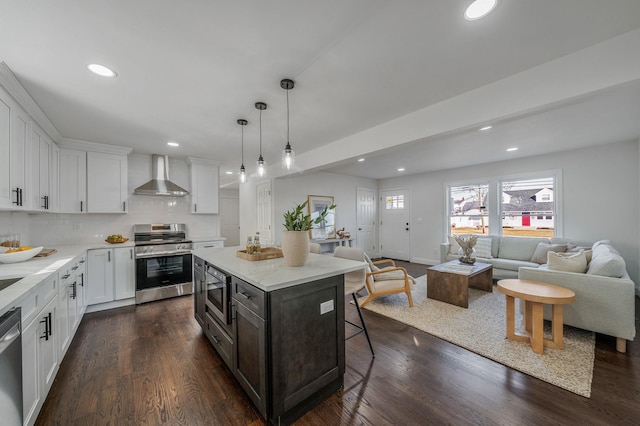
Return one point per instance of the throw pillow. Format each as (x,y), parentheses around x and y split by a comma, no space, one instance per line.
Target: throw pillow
(540,255)
(574,262)
(607,262)
(483,248)
(453,245)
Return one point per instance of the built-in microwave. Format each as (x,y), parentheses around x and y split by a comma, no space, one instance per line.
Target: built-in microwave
(218,290)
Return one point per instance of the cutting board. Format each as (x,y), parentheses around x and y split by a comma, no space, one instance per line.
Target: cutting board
(46,252)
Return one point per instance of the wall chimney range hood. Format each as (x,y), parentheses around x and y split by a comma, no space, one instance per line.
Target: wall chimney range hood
(160,183)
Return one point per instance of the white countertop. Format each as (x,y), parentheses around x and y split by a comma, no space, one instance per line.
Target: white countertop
(269,275)
(34,271)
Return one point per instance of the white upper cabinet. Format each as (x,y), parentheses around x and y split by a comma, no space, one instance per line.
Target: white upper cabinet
(5,160)
(40,176)
(73,181)
(106,183)
(54,200)
(15,167)
(204,186)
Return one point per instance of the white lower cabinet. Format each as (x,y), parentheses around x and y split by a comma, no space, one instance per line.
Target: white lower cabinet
(40,358)
(110,275)
(125,274)
(51,313)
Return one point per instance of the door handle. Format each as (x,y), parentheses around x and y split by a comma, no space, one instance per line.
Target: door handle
(9,337)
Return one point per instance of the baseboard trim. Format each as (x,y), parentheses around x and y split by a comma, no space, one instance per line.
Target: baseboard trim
(425,261)
(110,305)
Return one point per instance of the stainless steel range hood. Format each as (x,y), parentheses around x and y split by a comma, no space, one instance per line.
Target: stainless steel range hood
(160,183)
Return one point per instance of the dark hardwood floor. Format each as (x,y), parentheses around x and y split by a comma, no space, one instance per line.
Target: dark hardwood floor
(151,364)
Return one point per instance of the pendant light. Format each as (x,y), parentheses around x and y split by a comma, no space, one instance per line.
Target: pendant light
(288,156)
(243,172)
(262,169)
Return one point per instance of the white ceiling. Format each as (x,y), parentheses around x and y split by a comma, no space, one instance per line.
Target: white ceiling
(188,70)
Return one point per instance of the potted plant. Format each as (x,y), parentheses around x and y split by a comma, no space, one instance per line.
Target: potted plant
(295,238)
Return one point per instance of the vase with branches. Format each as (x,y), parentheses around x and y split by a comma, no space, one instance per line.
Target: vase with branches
(466,252)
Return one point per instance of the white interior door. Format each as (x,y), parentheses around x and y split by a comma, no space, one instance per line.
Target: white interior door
(230,220)
(366,220)
(395,236)
(263,211)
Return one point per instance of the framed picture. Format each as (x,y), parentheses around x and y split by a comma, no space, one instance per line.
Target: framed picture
(327,228)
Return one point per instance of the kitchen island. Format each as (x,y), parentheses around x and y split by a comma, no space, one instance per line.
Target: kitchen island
(284,338)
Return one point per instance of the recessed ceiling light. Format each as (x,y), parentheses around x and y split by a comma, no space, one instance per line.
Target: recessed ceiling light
(482,129)
(360,160)
(401,169)
(515,148)
(101,70)
(228,173)
(173,144)
(479,9)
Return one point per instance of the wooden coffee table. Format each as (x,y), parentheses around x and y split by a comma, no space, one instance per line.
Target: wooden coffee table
(448,282)
(535,294)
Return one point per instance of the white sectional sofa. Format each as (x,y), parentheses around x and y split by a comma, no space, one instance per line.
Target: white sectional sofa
(604,293)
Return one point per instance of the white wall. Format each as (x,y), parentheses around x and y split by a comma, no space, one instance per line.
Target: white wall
(287,192)
(51,229)
(291,191)
(600,197)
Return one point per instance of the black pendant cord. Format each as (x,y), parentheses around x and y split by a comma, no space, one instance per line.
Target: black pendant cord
(260,134)
(242,145)
(288,145)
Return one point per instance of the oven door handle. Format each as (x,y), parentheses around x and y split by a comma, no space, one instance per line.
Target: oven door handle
(149,255)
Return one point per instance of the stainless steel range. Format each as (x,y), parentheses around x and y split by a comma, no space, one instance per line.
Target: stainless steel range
(163,261)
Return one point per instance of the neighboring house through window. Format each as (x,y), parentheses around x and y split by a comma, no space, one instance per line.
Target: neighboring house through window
(524,207)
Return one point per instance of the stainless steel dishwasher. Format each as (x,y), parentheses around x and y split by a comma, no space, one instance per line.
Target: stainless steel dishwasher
(11,368)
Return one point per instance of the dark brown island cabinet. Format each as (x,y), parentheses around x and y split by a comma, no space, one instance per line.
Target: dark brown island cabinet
(285,347)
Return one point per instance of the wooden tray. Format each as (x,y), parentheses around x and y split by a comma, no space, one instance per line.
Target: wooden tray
(46,252)
(266,253)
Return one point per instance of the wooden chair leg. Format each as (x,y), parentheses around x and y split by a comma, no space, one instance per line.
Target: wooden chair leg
(621,344)
(410,298)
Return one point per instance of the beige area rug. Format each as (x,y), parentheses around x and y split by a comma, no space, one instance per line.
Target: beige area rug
(481,329)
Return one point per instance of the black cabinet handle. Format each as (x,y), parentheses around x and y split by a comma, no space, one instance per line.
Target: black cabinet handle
(124,206)
(109,256)
(64,277)
(243,294)
(50,325)
(73,287)
(195,208)
(18,201)
(80,205)
(46,329)
(82,279)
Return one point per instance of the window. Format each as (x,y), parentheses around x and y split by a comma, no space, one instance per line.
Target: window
(395,202)
(468,209)
(528,207)
(523,205)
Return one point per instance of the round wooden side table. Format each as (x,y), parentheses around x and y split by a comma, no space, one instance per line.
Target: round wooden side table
(535,294)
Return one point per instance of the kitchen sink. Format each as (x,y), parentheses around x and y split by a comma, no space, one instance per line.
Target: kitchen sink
(6,283)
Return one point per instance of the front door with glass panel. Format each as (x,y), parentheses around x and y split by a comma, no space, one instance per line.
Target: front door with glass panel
(395,220)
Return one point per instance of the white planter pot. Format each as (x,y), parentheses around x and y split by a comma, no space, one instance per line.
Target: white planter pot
(295,247)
